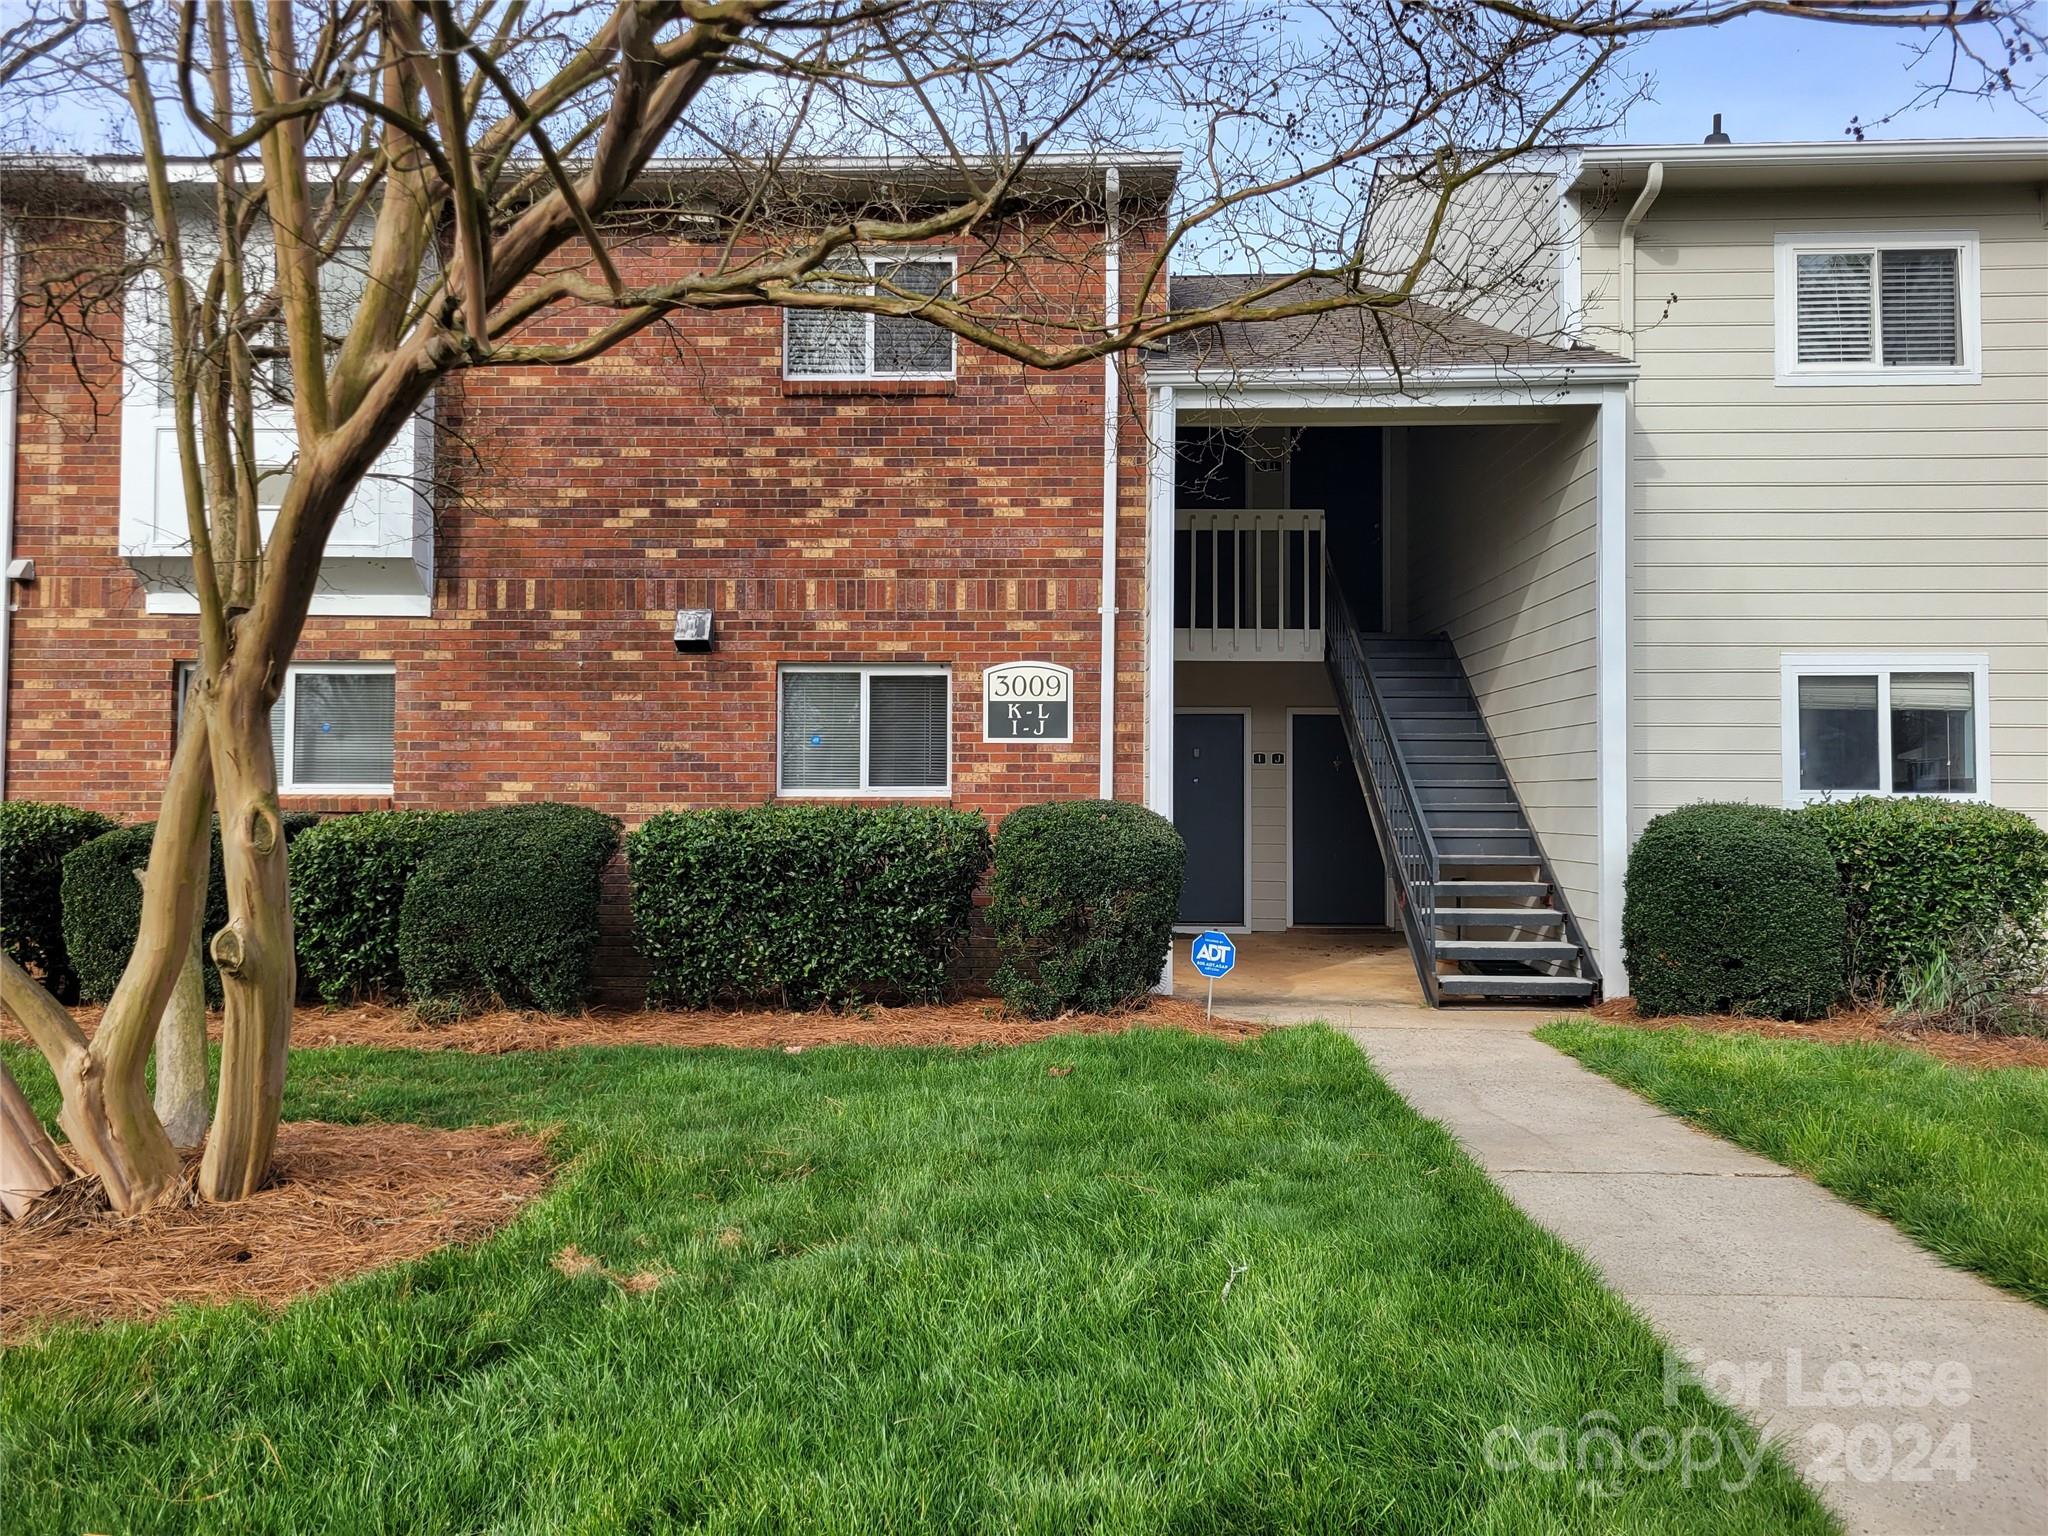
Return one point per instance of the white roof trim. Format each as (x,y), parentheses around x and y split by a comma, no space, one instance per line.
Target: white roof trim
(1462,376)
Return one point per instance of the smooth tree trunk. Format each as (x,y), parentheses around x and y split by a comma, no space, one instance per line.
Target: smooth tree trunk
(253,952)
(182,1082)
(106,1114)
(30,1164)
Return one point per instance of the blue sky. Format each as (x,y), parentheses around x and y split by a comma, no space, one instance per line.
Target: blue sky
(1772,78)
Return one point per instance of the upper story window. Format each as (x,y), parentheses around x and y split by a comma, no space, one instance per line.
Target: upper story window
(832,344)
(1886,725)
(1856,309)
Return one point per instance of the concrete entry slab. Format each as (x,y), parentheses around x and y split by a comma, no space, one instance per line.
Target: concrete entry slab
(1308,973)
(1761,1281)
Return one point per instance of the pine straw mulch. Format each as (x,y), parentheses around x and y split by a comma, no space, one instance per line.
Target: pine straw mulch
(343,1199)
(1847,1026)
(970,1022)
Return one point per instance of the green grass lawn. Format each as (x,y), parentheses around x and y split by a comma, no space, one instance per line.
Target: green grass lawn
(979,1291)
(1957,1157)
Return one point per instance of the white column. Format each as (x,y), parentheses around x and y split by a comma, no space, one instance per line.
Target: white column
(1612,650)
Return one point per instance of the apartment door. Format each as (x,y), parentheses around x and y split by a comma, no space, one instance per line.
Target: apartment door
(1339,878)
(1209,809)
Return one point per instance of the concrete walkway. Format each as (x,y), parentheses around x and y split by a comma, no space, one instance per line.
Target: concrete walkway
(1761,1280)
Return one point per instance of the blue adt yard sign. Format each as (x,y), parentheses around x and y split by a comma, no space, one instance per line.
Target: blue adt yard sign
(1213,955)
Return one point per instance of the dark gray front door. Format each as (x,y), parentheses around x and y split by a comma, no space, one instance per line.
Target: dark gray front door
(1339,881)
(1208,807)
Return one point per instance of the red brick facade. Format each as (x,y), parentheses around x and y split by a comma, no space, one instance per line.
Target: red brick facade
(955,524)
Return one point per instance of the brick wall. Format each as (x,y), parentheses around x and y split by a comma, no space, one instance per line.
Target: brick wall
(952,523)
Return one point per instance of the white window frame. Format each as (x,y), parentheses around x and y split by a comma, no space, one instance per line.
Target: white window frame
(865,790)
(1791,246)
(1881,665)
(869,260)
(286,784)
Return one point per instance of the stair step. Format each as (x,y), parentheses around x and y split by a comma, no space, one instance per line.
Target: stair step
(1496,843)
(1463,819)
(1468,754)
(1496,890)
(1514,986)
(1450,732)
(1532,950)
(1466,797)
(1498,917)
(1457,859)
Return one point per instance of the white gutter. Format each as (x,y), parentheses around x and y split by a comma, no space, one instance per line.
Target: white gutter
(1653,183)
(10,282)
(1112,315)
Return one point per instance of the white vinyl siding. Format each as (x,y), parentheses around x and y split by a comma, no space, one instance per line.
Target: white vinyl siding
(1885,309)
(844,344)
(332,729)
(864,730)
(1886,725)
(1880,518)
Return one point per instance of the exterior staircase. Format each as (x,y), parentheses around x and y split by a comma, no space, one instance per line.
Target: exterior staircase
(1483,913)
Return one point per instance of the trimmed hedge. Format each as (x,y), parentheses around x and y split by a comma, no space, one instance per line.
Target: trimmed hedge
(348,878)
(1733,909)
(34,837)
(103,903)
(804,904)
(1083,904)
(1919,874)
(502,909)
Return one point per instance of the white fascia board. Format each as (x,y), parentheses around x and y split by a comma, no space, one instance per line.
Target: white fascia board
(1384,381)
(2021,158)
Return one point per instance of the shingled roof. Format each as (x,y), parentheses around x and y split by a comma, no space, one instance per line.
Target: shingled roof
(1416,337)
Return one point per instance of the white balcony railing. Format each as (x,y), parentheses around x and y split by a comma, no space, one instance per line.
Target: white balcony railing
(1248,585)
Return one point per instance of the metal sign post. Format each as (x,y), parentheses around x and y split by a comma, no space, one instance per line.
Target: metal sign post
(1213,955)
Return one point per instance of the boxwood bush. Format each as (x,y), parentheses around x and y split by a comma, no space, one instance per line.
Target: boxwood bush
(502,909)
(1733,909)
(34,837)
(1919,875)
(1082,903)
(348,878)
(804,904)
(103,903)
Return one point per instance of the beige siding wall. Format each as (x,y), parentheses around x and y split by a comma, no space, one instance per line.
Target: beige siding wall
(1766,518)
(1268,690)
(1497,254)
(1500,526)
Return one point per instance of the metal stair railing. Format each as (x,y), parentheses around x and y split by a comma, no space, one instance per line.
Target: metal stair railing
(1390,791)
(1589,967)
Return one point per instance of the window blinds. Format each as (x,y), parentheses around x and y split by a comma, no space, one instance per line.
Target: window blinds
(1838,693)
(1932,690)
(1918,294)
(821,730)
(908,345)
(341,727)
(906,732)
(1835,319)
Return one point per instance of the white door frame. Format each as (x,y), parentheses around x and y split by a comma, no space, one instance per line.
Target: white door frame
(1244,714)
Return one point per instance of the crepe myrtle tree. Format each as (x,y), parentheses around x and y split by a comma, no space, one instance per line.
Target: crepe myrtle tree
(340,207)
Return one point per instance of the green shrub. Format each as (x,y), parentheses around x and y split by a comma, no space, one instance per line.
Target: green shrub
(503,909)
(103,903)
(1733,909)
(34,837)
(804,904)
(348,879)
(1918,875)
(1083,904)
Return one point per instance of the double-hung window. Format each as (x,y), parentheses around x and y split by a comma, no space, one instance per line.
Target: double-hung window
(331,729)
(1857,309)
(864,730)
(1886,725)
(849,344)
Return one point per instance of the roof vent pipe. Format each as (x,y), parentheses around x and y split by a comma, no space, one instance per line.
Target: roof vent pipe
(1717,136)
